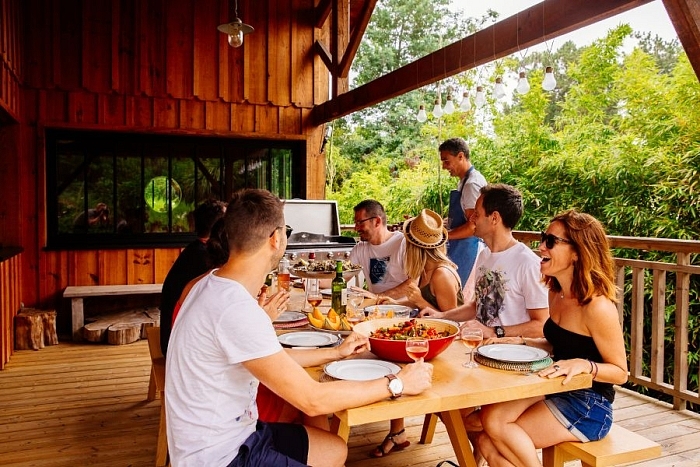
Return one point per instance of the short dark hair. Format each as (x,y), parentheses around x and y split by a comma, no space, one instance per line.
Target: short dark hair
(505,199)
(373,208)
(206,214)
(455,146)
(251,215)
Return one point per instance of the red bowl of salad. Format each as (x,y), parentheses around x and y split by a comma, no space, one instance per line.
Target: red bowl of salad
(388,336)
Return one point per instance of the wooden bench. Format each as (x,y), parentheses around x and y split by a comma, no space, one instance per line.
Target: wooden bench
(620,446)
(77,293)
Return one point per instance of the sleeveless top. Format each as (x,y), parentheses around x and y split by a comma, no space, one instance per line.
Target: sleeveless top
(432,299)
(567,345)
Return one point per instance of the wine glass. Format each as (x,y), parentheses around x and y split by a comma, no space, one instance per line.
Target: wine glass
(417,347)
(355,299)
(313,294)
(471,338)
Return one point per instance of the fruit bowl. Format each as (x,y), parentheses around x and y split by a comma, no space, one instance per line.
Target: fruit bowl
(395,350)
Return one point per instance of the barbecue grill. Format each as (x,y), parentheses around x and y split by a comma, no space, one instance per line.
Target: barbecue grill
(316,229)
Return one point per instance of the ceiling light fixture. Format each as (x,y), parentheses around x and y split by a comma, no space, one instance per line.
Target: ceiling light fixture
(236,29)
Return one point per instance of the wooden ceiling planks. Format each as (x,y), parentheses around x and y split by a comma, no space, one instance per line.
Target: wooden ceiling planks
(555,17)
(685,16)
(280,53)
(206,54)
(179,55)
(302,42)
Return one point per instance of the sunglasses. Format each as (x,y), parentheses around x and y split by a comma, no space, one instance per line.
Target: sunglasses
(288,230)
(550,240)
(360,222)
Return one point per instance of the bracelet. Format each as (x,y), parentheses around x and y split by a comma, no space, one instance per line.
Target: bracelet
(591,362)
(596,370)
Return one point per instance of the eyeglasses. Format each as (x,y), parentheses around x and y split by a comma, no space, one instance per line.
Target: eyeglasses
(365,220)
(550,240)
(288,230)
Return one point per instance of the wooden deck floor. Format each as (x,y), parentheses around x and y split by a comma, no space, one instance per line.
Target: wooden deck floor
(77,405)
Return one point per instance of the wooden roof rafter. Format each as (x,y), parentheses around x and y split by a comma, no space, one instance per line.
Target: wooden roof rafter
(534,25)
(685,15)
(347,29)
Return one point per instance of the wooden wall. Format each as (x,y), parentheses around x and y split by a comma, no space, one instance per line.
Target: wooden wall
(149,66)
(10,289)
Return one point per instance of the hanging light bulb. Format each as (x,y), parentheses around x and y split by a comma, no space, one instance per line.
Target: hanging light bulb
(449,105)
(499,91)
(466,104)
(437,109)
(549,82)
(236,29)
(523,86)
(480,98)
(422,115)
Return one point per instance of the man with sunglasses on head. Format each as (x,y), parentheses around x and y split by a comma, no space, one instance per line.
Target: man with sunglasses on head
(380,252)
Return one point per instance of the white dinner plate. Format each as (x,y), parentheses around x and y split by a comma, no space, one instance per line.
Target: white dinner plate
(360,370)
(512,352)
(307,339)
(327,292)
(290,316)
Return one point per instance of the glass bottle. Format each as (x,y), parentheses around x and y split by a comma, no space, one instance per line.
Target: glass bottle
(339,289)
(283,274)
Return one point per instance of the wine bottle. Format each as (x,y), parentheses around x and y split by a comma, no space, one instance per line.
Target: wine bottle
(339,290)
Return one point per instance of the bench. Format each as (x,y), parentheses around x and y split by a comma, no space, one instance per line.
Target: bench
(77,293)
(620,446)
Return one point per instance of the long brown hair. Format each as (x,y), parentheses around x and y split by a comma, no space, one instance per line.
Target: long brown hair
(594,270)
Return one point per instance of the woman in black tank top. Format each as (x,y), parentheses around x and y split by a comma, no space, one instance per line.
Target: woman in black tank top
(583,335)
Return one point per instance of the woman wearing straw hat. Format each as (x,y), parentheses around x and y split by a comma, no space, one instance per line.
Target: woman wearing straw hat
(435,283)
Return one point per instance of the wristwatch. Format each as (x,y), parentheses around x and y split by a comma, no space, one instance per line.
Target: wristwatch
(500,332)
(395,386)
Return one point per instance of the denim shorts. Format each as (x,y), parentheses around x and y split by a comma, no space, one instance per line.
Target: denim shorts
(585,413)
(274,445)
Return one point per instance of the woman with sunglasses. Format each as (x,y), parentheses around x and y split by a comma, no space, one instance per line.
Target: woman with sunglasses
(583,335)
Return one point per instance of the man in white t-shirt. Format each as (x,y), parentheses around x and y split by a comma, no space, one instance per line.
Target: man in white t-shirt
(223,345)
(380,252)
(510,298)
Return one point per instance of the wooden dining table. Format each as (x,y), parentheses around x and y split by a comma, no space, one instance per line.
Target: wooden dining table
(454,389)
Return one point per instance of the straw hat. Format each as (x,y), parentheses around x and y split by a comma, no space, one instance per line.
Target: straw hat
(425,230)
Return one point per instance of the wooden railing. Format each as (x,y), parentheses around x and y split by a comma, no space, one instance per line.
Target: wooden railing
(643,293)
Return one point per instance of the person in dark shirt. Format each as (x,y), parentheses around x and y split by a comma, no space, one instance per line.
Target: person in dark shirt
(193,261)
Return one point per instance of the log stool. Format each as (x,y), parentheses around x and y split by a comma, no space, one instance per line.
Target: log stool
(35,328)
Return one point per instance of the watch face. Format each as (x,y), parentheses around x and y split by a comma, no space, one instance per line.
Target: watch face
(396,387)
(500,332)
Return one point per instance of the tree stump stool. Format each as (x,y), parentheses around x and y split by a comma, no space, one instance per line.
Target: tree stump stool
(34,329)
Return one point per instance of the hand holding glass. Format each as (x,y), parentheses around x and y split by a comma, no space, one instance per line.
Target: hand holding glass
(416,347)
(471,338)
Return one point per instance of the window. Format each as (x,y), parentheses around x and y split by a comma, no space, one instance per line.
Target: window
(120,190)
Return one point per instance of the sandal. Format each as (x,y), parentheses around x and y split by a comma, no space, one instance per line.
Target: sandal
(380,452)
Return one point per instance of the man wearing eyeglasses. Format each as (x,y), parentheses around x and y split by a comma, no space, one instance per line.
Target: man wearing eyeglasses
(510,299)
(380,252)
(462,244)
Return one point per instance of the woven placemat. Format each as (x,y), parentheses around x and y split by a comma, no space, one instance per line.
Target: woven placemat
(291,324)
(513,366)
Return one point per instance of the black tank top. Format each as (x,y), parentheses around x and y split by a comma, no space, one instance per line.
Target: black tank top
(567,345)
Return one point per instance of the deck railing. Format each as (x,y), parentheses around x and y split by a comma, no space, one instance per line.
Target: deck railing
(646,299)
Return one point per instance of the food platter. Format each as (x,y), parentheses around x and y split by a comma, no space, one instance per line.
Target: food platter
(360,369)
(512,353)
(308,339)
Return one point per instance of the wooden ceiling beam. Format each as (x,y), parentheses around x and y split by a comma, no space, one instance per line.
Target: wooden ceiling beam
(685,16)
(355,38)
(323,9)
(532,26)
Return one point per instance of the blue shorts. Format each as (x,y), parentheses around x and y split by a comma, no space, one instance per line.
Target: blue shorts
(274,445)
(585,413)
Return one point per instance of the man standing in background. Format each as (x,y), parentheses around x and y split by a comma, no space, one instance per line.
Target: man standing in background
(462,245)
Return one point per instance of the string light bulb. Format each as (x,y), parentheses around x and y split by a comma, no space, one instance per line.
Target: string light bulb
(480,98)
(466,104)
(449,105)
(549,82)
(422,115)
(437,109)
(523,86)
(499,91)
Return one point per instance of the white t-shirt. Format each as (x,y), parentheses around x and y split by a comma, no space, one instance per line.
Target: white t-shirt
(382,265)
(472,190)
(210,396)
(507,284)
